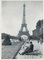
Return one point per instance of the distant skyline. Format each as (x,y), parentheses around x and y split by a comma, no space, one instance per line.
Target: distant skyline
(12,15)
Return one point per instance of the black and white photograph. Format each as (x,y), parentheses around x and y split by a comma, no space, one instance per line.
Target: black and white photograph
(22,29)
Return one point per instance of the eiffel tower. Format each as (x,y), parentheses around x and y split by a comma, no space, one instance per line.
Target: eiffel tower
(24,25)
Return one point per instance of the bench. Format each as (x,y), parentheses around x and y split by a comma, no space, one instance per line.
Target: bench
(35,52)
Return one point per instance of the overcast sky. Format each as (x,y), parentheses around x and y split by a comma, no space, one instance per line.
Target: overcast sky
(12,15)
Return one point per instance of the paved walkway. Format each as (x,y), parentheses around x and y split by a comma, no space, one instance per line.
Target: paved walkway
(9,52)
(39,53)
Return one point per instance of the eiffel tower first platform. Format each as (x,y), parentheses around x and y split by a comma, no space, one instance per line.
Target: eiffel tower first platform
(23,25)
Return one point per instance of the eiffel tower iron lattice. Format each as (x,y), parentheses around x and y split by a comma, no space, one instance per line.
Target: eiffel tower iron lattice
(24,25)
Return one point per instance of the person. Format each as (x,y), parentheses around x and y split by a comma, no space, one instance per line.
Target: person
(29,49)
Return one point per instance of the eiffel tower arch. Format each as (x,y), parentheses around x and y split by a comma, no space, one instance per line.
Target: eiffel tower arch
(23,25)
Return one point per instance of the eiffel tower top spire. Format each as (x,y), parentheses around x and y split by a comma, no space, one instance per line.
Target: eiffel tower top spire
(23,14)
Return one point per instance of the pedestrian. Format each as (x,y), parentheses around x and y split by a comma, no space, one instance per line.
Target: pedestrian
(29,49)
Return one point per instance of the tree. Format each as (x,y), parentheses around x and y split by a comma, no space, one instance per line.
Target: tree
(6,41)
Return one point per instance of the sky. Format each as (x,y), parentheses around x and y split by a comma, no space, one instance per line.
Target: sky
(12,15)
